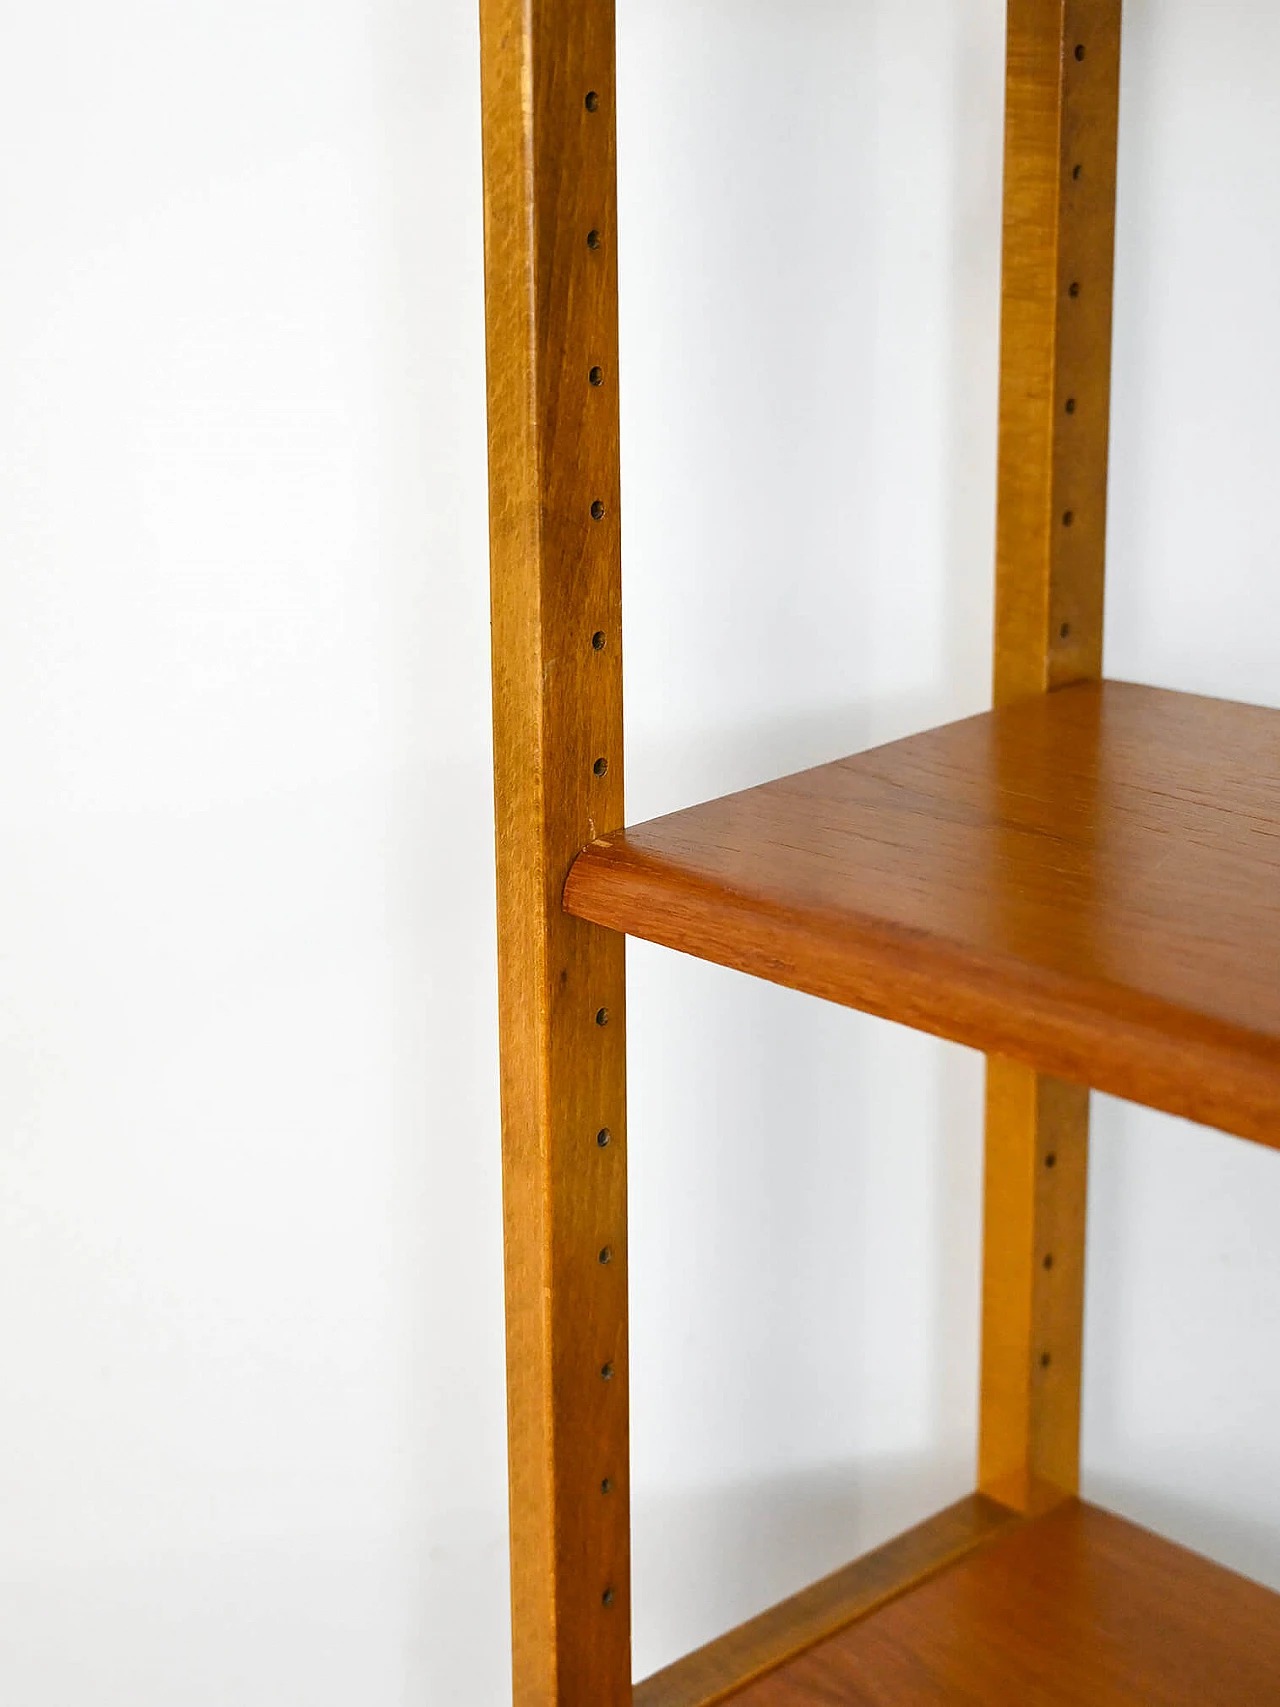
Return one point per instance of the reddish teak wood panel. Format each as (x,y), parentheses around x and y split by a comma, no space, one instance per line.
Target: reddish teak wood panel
(1088,882)
(1076,1609)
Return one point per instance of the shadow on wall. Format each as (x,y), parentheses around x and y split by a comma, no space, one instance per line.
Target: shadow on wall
(809,250)
(809,259)
(701,1554)
(1182,1313)
(1249,1546)
(805,1188)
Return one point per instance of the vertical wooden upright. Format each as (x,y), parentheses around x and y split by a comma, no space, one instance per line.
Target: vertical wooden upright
(1062,97)
(551,316)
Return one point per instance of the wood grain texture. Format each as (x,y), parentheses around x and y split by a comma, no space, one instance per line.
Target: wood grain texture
(1032,1286)
(717,1672)
(1074,1609)
(1087,882)
(1055,341)
(551,319)
(1061,110)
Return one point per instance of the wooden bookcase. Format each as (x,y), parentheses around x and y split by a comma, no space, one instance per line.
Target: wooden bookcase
(1082,883)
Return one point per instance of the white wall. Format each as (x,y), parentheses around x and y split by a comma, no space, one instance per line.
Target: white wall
(250,1308)
(1183,1331)
(251,1432)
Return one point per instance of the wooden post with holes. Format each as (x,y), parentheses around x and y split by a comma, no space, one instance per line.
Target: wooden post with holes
(1059,238)
(551,316)
(1010,881)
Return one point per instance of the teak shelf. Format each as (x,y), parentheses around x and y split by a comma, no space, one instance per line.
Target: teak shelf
(1084,883)
(1074,1606)
(1088,881)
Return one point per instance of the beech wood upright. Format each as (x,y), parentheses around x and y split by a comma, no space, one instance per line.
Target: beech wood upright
(1084,883)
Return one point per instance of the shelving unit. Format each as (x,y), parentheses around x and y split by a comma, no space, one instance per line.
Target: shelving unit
(1084,883)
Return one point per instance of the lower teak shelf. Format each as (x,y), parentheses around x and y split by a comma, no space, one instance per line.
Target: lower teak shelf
(1087,882)
(1073,1609)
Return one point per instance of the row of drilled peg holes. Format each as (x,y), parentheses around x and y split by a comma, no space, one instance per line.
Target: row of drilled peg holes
(604,1138)
(601,767)
(1046,1358)
(1069,516)
(595,377)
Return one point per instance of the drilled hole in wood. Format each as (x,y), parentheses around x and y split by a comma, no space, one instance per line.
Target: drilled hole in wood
(1051,1161)
(606,1487)
(1071,405)
(598,640)
(593,100)
(1048,1262)
(1045,1360)
(1076,172)
(606,1255)
(597,511)
(604,1137)
(602,1016)
(1079,50)
(601,767)
(1073,289)
(606,1374)
(1068,518)
(607,1597)
(1064,633)
(593,240)
(596,376)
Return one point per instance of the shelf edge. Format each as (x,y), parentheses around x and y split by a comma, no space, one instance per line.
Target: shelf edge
(716,1672)
(1002,1008)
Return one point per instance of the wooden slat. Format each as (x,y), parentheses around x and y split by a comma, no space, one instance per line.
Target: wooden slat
(1085,882)
(1062,94)
(1032,1284)
(716,1672)
(1074,1609)
(1055,359)
(551,314)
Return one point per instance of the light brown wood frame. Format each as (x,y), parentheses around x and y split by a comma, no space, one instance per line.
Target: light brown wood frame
(551,317)
(1062,103)
(552,343)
